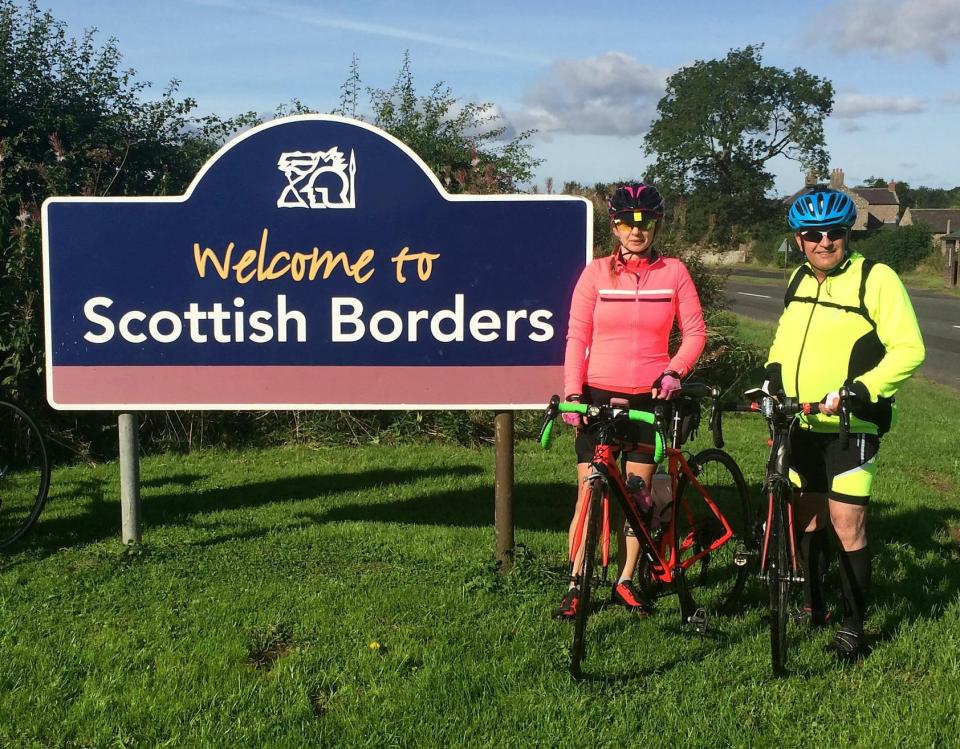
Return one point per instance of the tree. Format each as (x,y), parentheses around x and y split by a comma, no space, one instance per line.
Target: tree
(903,248)
(74,122)
(721,121)
(461,142)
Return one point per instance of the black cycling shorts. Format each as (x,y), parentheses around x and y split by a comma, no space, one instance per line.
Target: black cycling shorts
(817,464)
(633,431)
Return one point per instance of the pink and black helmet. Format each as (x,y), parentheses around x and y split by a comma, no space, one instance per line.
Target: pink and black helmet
(634,197)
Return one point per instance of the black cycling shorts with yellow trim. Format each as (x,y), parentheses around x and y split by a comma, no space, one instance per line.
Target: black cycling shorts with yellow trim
(631,431)
(817,464)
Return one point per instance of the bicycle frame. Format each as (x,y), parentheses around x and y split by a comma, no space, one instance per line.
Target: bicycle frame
(780,489)
(668,555)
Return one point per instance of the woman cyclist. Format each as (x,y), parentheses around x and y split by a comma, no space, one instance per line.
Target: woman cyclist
(623,310)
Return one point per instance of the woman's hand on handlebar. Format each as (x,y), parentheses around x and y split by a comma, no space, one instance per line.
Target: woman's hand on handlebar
(573,420)
(666,385)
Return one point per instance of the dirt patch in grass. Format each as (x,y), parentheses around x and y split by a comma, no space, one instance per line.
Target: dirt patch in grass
(269,644)
(939,482)
(320,701)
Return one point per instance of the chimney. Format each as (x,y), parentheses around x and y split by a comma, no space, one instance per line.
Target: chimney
(810,179)
(892,186)
(836,179)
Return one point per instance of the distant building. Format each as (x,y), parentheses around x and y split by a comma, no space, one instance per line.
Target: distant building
(943,223)
(938,220)
(877,207)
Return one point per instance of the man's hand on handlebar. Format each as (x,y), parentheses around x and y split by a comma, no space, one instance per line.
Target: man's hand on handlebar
(755,394)
(857,394)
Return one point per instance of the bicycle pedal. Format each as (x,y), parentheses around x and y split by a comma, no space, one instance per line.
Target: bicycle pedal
(699,620)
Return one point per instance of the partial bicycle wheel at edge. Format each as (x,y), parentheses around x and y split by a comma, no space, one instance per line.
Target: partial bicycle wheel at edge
(716,581)
(24,473)
(594,512)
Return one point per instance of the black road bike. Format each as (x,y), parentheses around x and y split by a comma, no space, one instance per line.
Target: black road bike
(777,548)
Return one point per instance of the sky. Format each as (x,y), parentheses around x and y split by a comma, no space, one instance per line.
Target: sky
(587,76)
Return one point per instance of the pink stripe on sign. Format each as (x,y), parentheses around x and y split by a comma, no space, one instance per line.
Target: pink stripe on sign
(242,387)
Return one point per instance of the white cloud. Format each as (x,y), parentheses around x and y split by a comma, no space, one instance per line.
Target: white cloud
(952,99)
(894,27)
(851,106)
(613,94)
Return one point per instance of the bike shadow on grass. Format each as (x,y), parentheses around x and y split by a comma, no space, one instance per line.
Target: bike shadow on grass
(611,634)
(916,563)
(541,507)
(183,499)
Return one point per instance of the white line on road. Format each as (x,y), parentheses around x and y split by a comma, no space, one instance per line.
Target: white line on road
(764,296)
(956,326)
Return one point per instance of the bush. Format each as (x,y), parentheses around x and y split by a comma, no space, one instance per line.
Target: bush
(903,249)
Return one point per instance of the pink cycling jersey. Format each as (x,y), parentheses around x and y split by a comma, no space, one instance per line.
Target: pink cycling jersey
(620,324)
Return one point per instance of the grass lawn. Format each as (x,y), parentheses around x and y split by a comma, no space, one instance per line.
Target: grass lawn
(347,598)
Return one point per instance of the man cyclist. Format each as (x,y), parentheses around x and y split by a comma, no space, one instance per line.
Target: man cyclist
(847,321)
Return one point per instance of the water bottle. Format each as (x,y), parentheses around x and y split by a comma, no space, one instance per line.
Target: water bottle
(637,488)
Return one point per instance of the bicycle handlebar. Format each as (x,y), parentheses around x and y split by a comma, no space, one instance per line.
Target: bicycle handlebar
(596,413)
(770,407)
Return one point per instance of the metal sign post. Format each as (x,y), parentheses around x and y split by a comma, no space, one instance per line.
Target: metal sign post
(503,514)
(131,528)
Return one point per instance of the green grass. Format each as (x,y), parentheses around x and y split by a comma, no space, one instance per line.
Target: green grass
(295,597)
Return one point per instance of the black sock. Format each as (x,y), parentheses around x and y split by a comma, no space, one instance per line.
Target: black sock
(813,556)
(855,585)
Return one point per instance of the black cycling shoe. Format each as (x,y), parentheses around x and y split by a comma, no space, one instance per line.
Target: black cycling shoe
(568,606)
(806,615)
(849,645)
(626,594)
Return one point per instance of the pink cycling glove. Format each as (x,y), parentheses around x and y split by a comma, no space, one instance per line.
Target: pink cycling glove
(573,420)
(666,385)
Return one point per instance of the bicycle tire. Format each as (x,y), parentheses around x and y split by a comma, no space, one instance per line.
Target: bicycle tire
(590,545)
(778,581)
(24,473)
(716,580)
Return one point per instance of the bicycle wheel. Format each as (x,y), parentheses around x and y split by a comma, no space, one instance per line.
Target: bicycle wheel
(778,581)
(716,580)
(587,581)
(24,473)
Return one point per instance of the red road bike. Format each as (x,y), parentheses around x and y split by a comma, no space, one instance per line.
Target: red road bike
(700,551)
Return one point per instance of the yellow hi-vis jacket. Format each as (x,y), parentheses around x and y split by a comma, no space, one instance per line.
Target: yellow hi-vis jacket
(858,325)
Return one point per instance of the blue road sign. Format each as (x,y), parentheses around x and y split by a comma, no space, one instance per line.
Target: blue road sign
(314,262)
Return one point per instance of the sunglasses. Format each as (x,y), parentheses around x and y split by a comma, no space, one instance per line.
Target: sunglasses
(635,219)
(815,237)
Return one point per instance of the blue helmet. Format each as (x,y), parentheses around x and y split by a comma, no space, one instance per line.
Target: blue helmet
(819,207)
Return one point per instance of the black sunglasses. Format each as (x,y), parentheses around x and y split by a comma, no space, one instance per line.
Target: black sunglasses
(815,236)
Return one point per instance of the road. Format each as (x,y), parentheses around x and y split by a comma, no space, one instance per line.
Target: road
(939,317)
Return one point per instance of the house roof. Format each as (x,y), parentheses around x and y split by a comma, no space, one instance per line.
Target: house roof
(936,218)
(877,195)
